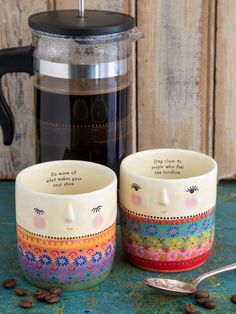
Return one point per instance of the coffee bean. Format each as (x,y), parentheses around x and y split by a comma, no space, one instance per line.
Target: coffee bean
(52,298)
(41,297)
(39,291)
(20,292)
(56,291)
(189,308)
(209,304)
(201,294)
(201,300)
(9,283)
(25,303)
(233,298)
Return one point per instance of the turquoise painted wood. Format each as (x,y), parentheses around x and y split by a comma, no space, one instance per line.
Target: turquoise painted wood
(124,291)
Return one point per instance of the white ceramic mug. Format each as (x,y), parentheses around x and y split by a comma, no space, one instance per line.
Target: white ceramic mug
(66,223)
(168,201)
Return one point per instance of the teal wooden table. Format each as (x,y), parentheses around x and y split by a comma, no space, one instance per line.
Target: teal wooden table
(124,291)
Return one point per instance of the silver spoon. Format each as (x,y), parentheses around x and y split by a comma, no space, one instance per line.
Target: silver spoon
(176,287)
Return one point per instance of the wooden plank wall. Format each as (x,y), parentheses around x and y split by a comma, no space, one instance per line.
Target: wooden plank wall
(172,76)
(225,97)
(185,76)
(18,88)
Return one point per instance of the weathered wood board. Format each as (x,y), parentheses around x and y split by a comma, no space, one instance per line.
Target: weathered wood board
(173,99)
(18,88)
(125,6)
(225,97)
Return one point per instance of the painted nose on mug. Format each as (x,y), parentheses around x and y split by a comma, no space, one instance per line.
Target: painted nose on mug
(163,198)
(69,213)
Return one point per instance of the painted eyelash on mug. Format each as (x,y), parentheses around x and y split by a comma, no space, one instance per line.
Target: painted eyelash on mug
(192,189)
(39,211)
(96,209)
(135,186)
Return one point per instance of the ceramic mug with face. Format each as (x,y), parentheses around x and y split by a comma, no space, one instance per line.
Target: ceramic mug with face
(167,199)
(66,223)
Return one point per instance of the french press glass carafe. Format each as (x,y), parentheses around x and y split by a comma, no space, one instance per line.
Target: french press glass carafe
(82,67)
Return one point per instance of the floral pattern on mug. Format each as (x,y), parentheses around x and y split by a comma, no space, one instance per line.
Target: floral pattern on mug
(152,240)
(66,261)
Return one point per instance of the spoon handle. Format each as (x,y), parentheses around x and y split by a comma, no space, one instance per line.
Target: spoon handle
(214,272)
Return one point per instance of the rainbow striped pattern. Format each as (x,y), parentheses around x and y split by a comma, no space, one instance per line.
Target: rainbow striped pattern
(72,263)
(167,245)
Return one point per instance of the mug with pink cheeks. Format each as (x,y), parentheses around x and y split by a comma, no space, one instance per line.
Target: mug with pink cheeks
(167,199)
(66,223)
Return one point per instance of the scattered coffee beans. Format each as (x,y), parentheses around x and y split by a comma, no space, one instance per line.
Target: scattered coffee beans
(201,294)
(20,292)
(209,304)
(52,298)
(189,308)
(9,283)
(41,297)
(201,300)
(39,291)
(56,291)
(25,304)
(233,298)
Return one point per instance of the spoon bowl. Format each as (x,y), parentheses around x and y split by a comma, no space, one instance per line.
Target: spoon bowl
(170,286)
(176,287)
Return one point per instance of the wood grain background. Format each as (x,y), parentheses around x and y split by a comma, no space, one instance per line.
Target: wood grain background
(184,95)
(225,92)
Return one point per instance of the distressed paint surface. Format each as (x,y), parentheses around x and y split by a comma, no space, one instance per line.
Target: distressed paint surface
(172,76)
(124,291)
(18,88)
(225,98)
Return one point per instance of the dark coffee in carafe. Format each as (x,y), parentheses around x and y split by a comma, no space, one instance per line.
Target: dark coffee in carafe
(82,65)
(86,120)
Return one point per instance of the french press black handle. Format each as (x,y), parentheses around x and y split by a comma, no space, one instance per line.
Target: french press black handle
(18,59)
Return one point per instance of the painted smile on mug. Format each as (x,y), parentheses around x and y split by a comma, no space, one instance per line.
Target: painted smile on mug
(163,211)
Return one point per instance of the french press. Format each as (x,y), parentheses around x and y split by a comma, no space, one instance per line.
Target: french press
(82,66)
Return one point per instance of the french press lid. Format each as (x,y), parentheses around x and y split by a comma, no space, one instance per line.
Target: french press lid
(84,24)
(81,23)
